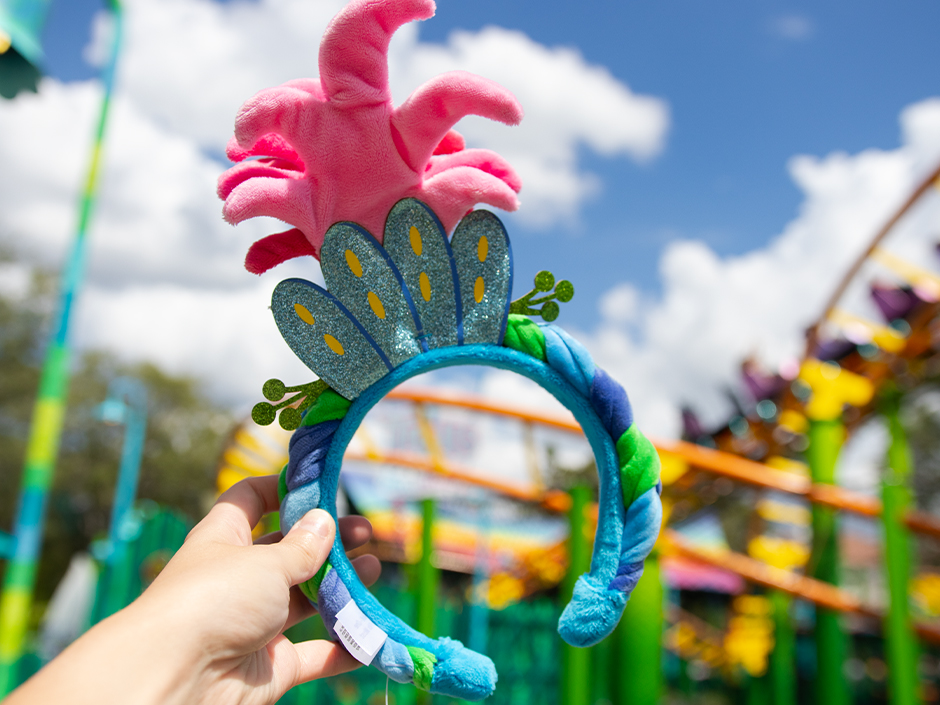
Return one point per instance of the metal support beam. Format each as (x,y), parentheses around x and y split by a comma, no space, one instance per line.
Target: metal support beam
(896,496)
(576,662)
(825,442)
(783,657)
(638,641)
(428,579)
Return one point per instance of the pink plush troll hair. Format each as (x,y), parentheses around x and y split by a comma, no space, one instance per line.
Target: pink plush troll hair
(315,152)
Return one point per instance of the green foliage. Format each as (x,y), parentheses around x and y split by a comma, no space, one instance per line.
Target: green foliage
(544,282)
(185,434)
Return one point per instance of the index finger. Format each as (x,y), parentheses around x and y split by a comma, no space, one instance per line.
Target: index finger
(239,509)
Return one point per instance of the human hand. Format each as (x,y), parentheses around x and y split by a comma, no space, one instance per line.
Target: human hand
(210,627)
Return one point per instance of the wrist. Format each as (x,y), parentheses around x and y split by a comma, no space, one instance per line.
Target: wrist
(131,657)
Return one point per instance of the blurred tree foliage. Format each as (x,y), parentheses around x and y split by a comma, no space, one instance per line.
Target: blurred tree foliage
(185,434)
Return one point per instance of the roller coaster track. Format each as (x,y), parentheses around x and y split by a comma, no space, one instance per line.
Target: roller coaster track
(246,456)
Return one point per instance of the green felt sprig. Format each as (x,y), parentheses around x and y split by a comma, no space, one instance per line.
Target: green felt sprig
(274,390)
(544,281)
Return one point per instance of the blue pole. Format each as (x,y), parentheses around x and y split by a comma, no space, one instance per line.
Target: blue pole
(127,404)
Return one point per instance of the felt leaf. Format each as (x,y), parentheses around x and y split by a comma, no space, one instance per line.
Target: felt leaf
(326,338)
(524,335)
(416,242)
(360,273)
(484,269)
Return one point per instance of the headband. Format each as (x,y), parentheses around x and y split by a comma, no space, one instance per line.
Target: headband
(420,303)
(372,191)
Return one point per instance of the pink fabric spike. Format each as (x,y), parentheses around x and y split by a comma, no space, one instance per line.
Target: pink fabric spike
(316,152)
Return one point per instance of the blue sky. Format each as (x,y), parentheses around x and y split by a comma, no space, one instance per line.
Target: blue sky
(748,84)
(723,243)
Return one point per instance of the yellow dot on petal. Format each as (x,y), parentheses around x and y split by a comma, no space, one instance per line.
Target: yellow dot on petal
(425,284)
(353,262)
(304,314)
(415,237)
(483,248)
(376,303)
(334,344)
(478,287)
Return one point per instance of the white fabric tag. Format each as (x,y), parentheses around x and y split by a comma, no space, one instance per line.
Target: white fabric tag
(362,638)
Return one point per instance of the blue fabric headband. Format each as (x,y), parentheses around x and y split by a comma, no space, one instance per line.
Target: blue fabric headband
(422,303)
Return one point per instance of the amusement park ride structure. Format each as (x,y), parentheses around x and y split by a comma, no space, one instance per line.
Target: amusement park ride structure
(840,384)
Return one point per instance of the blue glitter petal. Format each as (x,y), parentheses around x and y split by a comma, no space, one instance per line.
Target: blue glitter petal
(484,271)
(426,263)
(361,275)
(310,320)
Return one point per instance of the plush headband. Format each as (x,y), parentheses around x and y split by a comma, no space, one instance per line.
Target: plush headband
(417,304)
(400,300)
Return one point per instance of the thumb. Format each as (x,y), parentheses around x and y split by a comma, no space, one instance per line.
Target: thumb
(306,546)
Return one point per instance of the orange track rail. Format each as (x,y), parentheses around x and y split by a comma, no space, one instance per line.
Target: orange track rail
(701,458)
(816,591)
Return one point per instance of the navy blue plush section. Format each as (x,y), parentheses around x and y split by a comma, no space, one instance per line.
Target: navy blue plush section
(628,575)
(308,450)
(611,404)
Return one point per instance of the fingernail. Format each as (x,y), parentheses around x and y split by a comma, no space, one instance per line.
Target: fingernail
(316,521)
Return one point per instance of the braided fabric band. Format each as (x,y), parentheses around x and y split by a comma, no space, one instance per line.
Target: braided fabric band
(629,508)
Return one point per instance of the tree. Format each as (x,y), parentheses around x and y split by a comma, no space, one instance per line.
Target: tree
(185,434)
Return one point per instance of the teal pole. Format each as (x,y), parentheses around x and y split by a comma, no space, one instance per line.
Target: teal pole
(126,404)
(576,663)
(42,448)
(783,657)
(896,497)
(825,441)
(638,641)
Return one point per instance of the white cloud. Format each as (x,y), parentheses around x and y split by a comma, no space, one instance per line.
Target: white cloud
(227,338)
(715,311)
(621,304)
(157,219)
(569,104)
(165,277)
(222,54)
(793,27)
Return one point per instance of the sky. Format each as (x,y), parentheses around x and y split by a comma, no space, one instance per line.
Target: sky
(703,173)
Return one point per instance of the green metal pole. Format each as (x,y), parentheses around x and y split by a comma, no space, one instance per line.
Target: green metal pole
(576,662)
(901,640)
(825,441)
(758,692)
(783,657)
(48,414)
(428,579)
(639,638)
(427,574)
